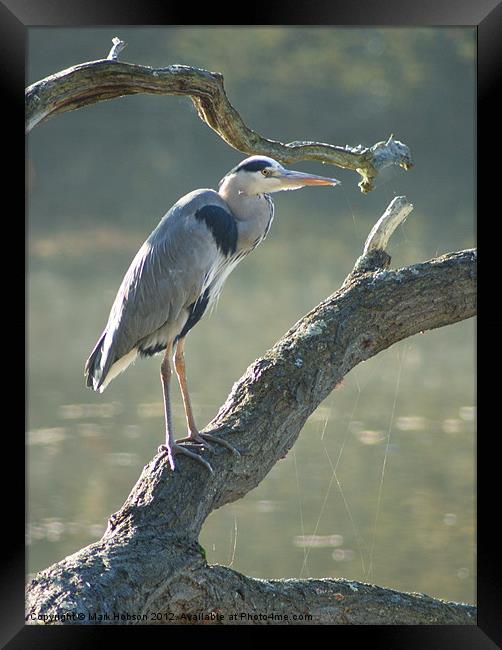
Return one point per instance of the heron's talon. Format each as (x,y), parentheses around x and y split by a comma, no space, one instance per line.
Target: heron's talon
(180,449)
(195,443)
(165,450)
(220,441)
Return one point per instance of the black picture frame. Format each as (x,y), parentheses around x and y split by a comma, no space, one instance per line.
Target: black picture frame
(16,17)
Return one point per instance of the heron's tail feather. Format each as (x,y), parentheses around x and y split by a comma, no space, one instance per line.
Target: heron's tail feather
(93,370)
(102,366)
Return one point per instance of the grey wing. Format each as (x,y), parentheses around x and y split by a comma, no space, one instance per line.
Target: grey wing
(169,274)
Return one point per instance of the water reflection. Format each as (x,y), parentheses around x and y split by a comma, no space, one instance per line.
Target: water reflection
(343,555)
(46,436)
(78,411)
(317,541)
(53,530)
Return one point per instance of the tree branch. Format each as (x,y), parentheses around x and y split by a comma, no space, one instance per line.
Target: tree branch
(149,560)
(397,211)
(95,81)
(117,48)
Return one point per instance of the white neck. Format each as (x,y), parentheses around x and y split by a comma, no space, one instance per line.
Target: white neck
(252,211)
(244,206)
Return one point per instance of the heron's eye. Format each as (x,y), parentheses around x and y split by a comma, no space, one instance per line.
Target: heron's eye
(266,172)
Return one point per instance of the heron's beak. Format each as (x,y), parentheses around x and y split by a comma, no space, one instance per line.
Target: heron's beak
(292,179)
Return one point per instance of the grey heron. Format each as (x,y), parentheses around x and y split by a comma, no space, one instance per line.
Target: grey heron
(179,272)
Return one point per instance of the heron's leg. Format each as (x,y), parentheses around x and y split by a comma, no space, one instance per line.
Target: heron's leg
(194,435)
(179,364)
(171,447)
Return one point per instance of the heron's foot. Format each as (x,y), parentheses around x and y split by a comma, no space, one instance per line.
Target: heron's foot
(196,441)
(202,439)
(174,449)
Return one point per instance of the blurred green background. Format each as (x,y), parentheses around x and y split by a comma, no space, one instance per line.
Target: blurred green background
(99,180)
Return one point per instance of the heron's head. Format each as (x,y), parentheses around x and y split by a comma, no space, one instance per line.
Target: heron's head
(263,175)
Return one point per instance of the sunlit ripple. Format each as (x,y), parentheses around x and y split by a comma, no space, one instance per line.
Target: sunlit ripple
(452,425)
(79,411)
(89,430)
(121,459)
(450,519)
(343,554)
(268,506)
(46,436)
(411,423)
(368,437)
(318,541)
(467,413)
(53,530)
(150,410)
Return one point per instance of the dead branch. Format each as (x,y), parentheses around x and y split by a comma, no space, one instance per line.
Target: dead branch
(95,81)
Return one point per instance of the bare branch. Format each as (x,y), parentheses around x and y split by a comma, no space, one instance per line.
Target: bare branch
(118,46)
(397,211)
(149,560)
(95,81)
